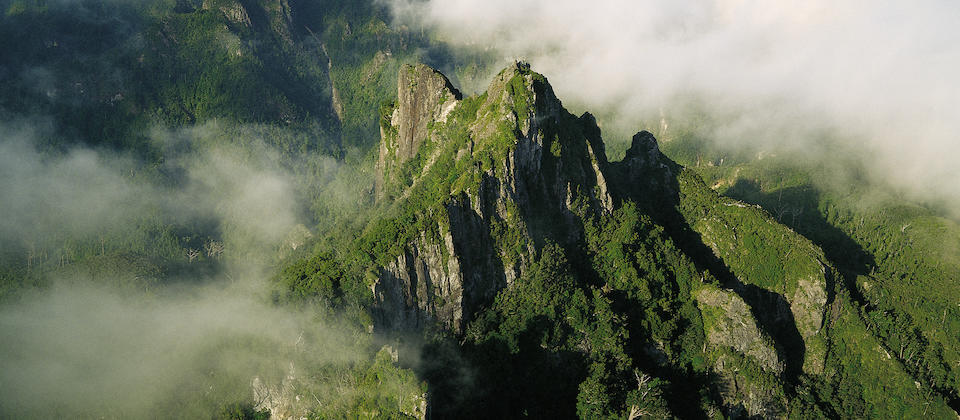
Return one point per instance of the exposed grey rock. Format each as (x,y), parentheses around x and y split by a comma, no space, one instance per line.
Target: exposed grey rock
(444,280)
(804,288)
(233,10)
(546,175)
(644,147)
(602,191)
(418,288)
(281,397)
(423,96)
(808,303)
(335,101)
(736,328)
(730,325)
(408,289)
(645,163)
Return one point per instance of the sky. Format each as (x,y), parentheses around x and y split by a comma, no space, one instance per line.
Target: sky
(880,76)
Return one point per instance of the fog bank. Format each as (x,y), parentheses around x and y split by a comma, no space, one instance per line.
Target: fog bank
(879,76)
(96,340)
(86,350)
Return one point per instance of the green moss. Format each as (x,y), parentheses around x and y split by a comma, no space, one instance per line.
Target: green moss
(556,149)
(522,96)
(757,249)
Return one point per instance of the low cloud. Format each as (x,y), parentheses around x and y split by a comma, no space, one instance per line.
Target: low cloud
(81,347)
(82,350)
(878,76)
(48,198)
(76,194)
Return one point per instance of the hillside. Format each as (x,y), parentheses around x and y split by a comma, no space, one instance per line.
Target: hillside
(898,259)
(159,83)
(567,284)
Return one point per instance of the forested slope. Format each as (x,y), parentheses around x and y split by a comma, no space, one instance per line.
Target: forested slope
(506,227)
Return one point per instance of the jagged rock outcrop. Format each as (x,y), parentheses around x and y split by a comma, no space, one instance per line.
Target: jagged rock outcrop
(272,15)
(731,329)
(645,163)
(234,11)
(424,97)
(521,170)
(420,287)
(779,273)
(768,259)
(280,16)
(441,279)
(296,396)
(730,324)
(281,397)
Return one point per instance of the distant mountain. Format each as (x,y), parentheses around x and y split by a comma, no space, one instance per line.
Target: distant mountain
(106,72)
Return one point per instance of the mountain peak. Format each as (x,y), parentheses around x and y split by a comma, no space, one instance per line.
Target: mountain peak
(424,95)
(483,189)
(525,92)
(643,145)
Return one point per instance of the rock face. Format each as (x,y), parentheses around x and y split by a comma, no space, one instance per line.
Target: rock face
(297,396)
(281,398)
(417,288)
(424,97)
(234,11)
(273,15)
(808,304)
(783,275)
(731,327)
(730,324)
(486,233)
(440,281)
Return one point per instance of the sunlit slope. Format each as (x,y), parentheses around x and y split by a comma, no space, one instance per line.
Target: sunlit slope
(504,226)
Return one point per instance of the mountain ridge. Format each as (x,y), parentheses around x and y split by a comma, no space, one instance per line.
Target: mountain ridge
(496,180)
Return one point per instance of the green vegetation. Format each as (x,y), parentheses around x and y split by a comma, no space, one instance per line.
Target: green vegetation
(526,273)
(106,72)
(242,411)
(188,110)
(897,262)
(614,315)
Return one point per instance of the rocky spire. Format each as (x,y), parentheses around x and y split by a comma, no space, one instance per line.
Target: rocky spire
(643,146)
(424,95)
